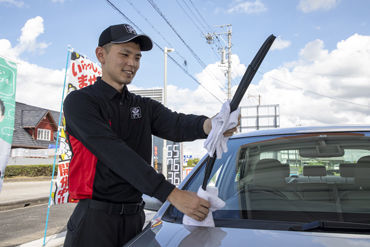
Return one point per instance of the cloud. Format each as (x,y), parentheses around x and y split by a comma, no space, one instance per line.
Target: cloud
(6,49)
(27,42)
(322,87)
(248,7)
(15,3)
(200,101)
(307,6)
(280,44)
(39,86)
(30,31)
(313,51)
(36,85)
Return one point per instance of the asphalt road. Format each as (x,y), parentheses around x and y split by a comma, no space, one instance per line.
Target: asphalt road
(22,225)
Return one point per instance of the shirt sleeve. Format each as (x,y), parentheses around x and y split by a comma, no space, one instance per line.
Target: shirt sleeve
(85,122)
(175,126)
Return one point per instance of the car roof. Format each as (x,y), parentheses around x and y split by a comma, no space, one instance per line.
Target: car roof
(303,130)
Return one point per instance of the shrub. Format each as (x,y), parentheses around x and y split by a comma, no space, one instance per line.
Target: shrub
(30,171)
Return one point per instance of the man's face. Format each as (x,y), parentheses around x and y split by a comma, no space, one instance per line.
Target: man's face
(120,63)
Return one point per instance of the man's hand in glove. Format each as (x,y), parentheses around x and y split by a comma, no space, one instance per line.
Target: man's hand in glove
(189,203)
(207,127)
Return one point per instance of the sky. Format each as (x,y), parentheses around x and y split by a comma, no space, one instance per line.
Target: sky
(317,70)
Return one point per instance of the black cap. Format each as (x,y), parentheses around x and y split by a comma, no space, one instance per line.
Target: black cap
(123,33)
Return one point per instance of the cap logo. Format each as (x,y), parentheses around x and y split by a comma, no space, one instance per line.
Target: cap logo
(129,29)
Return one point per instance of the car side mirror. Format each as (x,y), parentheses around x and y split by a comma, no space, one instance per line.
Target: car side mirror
(151,203)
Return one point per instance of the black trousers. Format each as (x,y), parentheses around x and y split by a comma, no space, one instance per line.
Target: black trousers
(95,223)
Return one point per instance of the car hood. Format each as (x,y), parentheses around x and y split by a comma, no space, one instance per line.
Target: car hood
(171,234)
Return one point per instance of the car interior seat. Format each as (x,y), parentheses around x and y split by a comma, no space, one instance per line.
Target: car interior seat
(270,172)
(312,172)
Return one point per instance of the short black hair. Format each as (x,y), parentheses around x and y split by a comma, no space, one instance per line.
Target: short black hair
(108,45)
(2,107)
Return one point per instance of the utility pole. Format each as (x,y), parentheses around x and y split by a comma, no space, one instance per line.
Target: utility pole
(229,63)
(210,40)
(164,156)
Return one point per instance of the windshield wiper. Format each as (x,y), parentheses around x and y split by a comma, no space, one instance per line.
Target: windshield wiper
(240,91)
(332,226)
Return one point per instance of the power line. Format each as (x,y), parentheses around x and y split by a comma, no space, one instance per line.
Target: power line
(195,16)
(156,8)
(219,46)
(185,62)
(128,19)
(192,77)
(159,33)
(180,66)
(195,24)
(201,16)
(191,19)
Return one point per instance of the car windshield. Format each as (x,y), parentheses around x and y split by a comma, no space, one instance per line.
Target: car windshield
(292,178)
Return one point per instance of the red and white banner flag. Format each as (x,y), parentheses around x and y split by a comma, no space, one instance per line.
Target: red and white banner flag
(82,72)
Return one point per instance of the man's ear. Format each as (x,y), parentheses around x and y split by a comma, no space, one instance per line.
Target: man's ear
(100,54)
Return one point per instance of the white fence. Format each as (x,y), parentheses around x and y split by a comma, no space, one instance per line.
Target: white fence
(23,156)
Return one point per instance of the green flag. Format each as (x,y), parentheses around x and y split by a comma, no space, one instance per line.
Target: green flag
(8,75)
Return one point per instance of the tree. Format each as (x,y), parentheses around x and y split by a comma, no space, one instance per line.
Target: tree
(192,162)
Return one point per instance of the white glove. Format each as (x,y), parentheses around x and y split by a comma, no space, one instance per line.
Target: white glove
(211,195)
(223,121)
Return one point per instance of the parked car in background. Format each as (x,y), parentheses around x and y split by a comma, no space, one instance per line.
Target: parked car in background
(305,186)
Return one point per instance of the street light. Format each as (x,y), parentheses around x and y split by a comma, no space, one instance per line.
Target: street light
(166,50)
(164,162)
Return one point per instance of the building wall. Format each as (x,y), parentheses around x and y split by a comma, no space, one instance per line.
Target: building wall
(157,153)
(45,124)
(30,161)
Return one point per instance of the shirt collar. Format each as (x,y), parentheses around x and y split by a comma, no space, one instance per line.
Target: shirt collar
(109,91)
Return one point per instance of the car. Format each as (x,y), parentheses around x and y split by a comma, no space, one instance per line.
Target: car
(302,186)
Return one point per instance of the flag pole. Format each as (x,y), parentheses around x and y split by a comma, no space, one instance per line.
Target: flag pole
(56,146)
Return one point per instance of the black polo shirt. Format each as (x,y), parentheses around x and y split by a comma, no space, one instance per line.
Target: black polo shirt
(110,138)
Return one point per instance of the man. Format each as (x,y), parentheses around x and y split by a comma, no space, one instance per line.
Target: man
(109,131)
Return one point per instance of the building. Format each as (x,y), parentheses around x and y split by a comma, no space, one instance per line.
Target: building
(34,127)
(35,131)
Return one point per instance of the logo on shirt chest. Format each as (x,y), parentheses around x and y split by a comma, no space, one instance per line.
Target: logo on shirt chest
(135,112)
